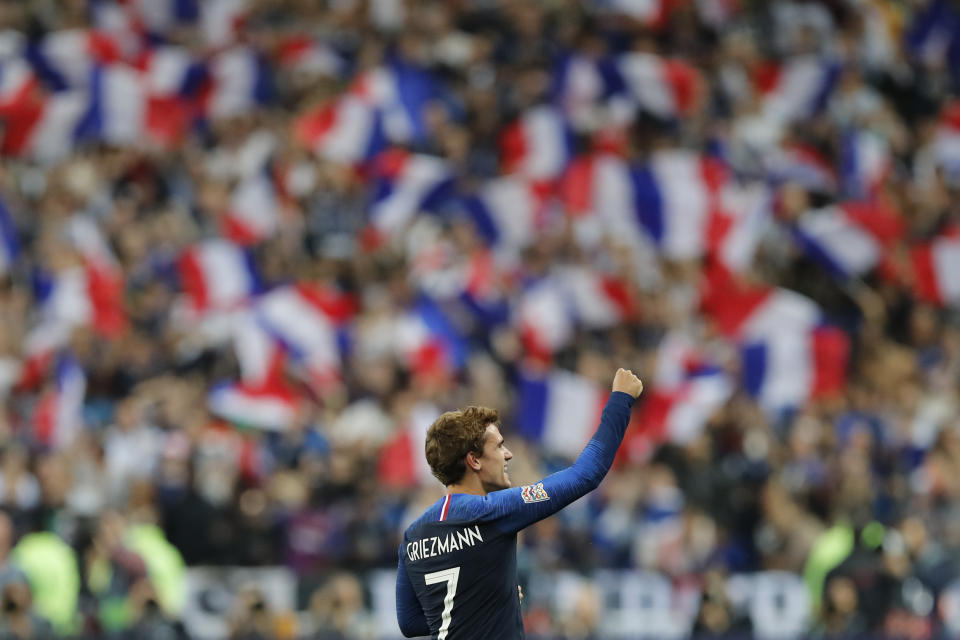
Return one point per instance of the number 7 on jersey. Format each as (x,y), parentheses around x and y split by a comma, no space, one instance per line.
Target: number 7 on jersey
(450,576)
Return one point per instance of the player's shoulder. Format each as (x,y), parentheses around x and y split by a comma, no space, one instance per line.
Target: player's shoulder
(454,508)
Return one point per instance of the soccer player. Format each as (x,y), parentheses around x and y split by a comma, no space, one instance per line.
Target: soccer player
(457,575)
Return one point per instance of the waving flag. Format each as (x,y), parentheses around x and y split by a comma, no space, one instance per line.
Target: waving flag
(599,300)
(581,83)
(545,318)
(308,55)
(745,311)
(936,265)
(347,130)
(559,411)
(64,59)
(160,16)
(271,406)
(305,320)
(17,83)
(117,113)
(46,128)
(406,183)
(737,224)
(675,197)
(58,417)
(538,146)
(803,165)
(9,243)
(788,368)
(217,276)
(508,212)
(849,239)
(799,87)
(667,88)
(240,82)
(104,277)
(400,93)
(253,212)
(680,412)
(865,163)
(428,343)
(652,13)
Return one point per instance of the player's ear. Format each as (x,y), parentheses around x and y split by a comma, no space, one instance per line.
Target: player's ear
(473,462)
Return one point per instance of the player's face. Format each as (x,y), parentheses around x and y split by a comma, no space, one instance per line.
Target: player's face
(493,469)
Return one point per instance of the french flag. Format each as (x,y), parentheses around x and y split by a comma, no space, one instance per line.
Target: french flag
(406,183)
(173,81)
(545,317)
(217,276)
(849,239)
(240,82)
(58,417)
(580,83)
(46,128)
(508,212)
(601,185)
(803,165)
(270,406)
(675,197)
(428,343)
(117,113)
(347,130)
(652,13)
(260,356)
(797,88)
(667,88)
(735,229)
(17,83)
(306,319)
(253,212)
(678,413)
(401,93)
(308,55)
(64,59)
(9,242)
(104,277)
(77,297)
(744,311)
(158,17)
(538,146)
(787,368)
(936,265)
(600,300)
(558,410)
(865,163)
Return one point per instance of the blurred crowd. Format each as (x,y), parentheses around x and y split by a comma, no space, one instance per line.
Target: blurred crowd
(249,249)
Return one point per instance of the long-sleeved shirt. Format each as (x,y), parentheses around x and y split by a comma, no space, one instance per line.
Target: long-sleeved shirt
(457,572)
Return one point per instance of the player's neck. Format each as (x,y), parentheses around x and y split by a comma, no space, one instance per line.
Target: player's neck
(470,484)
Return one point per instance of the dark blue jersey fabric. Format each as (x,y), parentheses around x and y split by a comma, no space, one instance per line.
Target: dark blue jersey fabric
(457,578)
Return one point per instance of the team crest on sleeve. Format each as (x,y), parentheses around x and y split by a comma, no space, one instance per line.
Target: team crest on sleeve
(534,493)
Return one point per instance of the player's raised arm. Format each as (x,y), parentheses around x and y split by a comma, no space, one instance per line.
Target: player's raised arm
(520,507)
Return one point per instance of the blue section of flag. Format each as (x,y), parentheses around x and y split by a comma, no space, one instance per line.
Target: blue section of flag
(531,410)
(648,202)
(754,367)
(9,243)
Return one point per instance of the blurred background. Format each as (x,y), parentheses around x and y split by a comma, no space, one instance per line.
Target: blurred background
(250,249)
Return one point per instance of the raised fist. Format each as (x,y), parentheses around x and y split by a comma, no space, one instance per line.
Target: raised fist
(627,382)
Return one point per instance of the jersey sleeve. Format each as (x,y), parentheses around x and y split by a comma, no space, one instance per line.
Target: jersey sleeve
(519,507)
(410,616)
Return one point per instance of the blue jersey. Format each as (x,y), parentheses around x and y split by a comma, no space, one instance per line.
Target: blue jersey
(457,574)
